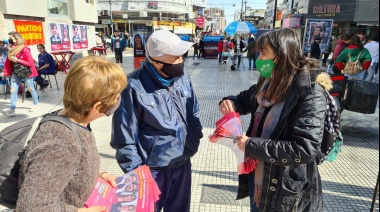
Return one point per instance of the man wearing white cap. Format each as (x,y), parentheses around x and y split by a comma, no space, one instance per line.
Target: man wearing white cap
(157,122)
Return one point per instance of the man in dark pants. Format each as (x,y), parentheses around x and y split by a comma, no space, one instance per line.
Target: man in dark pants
(157,123)
(201,48)
(315,49)
(118,46)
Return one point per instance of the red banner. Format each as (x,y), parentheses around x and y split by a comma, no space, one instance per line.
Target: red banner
(31,31)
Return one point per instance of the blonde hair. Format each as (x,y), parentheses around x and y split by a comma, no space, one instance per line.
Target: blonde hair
(19,41)
(90,80)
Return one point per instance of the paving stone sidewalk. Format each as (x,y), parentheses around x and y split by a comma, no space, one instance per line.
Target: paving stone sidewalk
(348,183)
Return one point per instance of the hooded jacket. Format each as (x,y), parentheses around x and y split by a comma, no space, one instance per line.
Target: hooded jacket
(341,45)
(24,58)
(291,156)
(155,125)
(354,52)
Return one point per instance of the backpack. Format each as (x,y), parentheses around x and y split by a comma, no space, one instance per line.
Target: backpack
(353,67)
(13,141)
(332,140)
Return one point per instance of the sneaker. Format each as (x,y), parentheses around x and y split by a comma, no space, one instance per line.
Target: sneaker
(34,108)
(8,111)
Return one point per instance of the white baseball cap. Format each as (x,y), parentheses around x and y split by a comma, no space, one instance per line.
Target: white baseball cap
(164,42)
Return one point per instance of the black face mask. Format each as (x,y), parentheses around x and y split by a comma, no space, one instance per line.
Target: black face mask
(171,70)
(10,40)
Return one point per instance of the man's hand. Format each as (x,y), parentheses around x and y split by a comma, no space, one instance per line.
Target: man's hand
(226,106)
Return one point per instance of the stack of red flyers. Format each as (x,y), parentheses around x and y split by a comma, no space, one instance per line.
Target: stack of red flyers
(228,128)
(135,191)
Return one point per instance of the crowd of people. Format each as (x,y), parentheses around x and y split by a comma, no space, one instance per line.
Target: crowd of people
(156,122)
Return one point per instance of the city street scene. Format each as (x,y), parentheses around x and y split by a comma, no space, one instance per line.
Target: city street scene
(188,131)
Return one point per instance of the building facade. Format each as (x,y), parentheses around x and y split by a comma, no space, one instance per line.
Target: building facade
(36,24)
(216,20)
(143,12)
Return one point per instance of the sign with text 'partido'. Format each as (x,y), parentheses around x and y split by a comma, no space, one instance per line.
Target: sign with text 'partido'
(31,31)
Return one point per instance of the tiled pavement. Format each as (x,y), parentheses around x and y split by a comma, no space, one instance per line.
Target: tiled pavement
(348,183)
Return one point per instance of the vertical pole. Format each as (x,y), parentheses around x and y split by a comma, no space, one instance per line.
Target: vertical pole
(241,11)
(275,13)
(111,17)
(245,9)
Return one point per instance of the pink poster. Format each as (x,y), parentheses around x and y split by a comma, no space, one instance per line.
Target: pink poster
(59,37)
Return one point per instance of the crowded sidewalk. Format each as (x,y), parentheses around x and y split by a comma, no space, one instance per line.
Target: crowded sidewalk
(348,183)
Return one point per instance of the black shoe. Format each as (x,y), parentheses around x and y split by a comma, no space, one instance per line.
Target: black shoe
(28,94)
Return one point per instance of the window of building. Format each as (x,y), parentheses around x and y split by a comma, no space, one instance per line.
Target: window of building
(90,1)
(57,7)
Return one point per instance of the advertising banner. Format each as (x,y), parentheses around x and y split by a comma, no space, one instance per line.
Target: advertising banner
(163,25)
(211,46)
(140,37)
(59,37)
(339,10)
(80,39)
(184,28)
(317,27)
(292,22)
(31,31)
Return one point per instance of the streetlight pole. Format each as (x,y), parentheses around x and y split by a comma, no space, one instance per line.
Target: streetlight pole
(275,14)
(111,17)
(241,12)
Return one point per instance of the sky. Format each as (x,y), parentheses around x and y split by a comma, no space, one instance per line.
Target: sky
(230,9)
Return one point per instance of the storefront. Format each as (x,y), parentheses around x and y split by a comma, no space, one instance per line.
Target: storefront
(367,17)
(342,12)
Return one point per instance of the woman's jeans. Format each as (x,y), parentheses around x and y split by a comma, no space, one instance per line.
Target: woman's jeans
(15,83)
(251,186)
(250,63)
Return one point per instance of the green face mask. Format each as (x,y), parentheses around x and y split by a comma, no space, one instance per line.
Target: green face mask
(265,67)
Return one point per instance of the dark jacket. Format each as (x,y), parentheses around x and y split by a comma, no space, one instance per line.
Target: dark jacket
(155,125)
(315,50)
(291,155)
(251,50)
(340,46)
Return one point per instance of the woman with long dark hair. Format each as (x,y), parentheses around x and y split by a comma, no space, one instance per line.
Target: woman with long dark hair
(285,133)
(19,53)
(139,46)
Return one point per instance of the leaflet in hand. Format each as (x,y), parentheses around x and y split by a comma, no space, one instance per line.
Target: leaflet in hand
(135,191)
(228,128)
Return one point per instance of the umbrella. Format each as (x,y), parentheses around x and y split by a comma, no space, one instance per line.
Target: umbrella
(240,27)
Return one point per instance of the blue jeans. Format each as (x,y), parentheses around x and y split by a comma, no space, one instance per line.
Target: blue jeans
(251,186)
(370,73)
(15,83)
(250,63)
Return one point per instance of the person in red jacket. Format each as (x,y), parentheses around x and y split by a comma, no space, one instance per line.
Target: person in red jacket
(220,50)
(19,53)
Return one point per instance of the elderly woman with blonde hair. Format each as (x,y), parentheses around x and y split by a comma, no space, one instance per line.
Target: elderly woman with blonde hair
(58,171)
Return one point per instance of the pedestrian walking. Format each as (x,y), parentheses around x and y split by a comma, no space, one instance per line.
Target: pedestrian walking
(58,172)
(201,48)
(117,46)
(285,132)
(315,49)
(355,52)
(19,53)
(373,47)
(157,123)
(196,50)
(220,50)
(251,53)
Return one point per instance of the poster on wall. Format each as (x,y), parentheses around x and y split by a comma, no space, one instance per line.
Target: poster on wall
(317,27)
(59,37)
(80,39)
(31,31)
(140,37)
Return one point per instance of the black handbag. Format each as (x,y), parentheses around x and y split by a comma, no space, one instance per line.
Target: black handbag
(21,70)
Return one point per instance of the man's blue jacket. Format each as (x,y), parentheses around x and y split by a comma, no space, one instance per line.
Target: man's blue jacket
(155,125)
